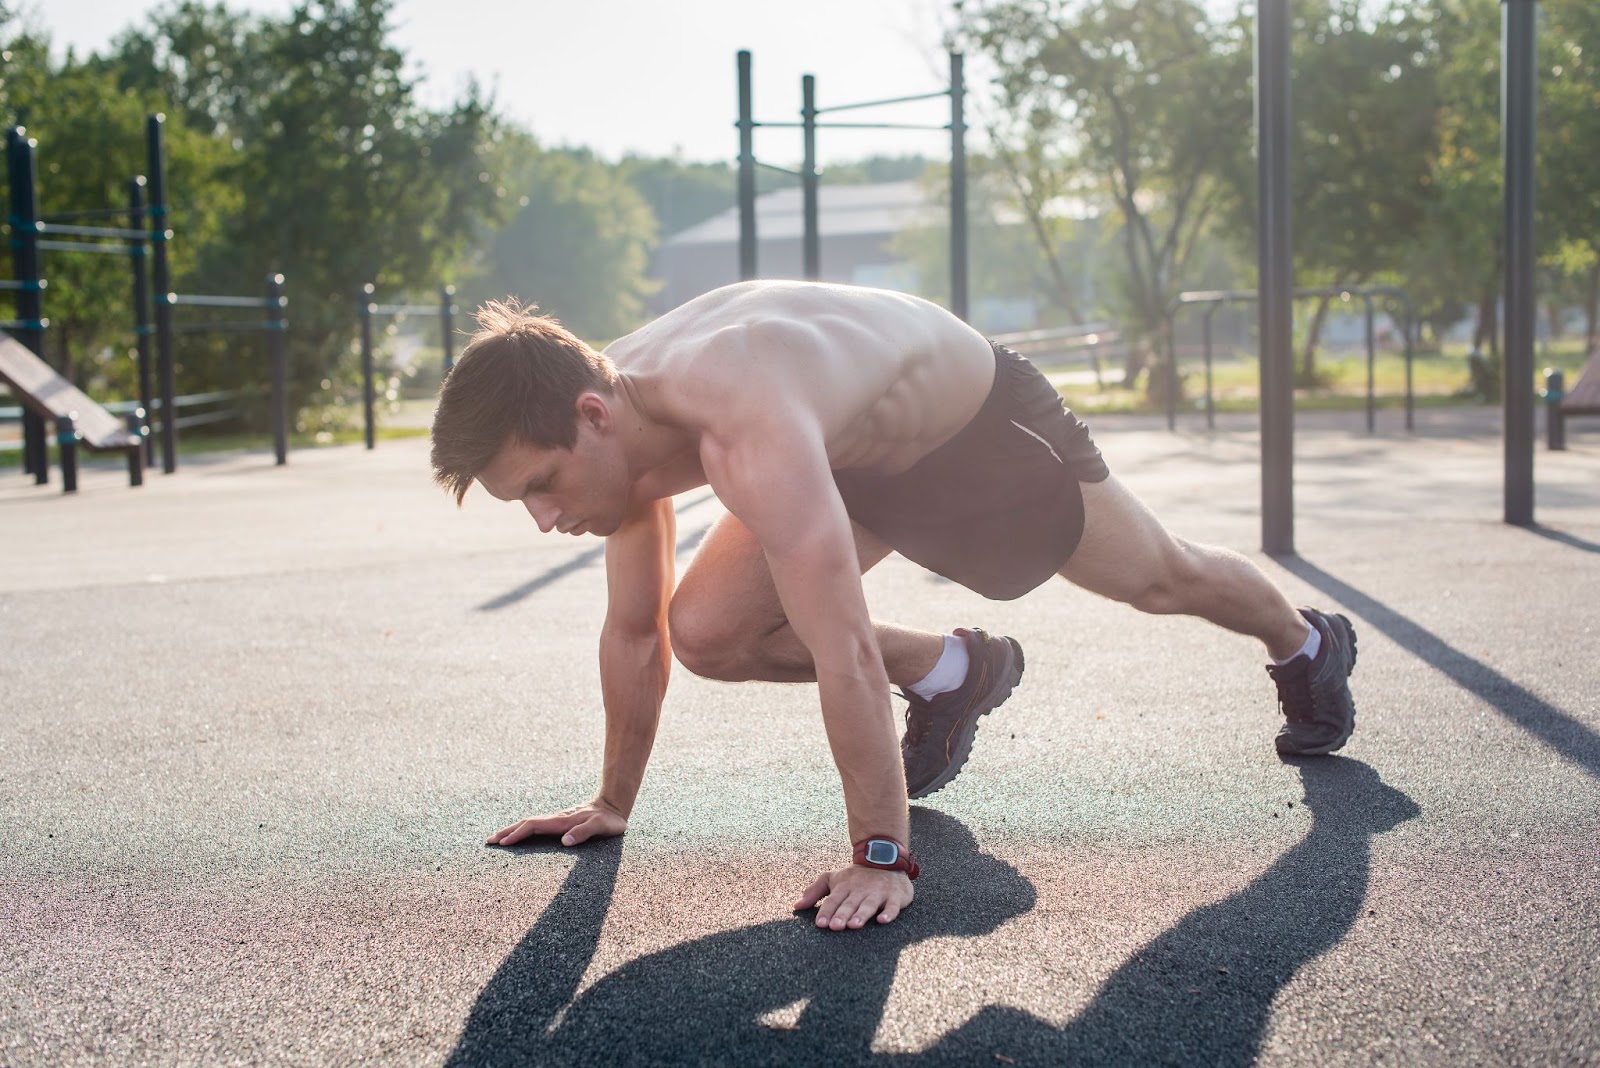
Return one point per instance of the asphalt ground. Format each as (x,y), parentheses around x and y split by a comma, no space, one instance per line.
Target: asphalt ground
(258,722)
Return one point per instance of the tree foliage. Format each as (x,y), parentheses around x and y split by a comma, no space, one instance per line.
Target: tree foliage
(578,246)
(1140,104)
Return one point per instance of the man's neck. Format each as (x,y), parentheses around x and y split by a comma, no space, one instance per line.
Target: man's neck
(647,442)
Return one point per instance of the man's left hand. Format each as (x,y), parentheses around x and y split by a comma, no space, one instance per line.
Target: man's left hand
(851,896)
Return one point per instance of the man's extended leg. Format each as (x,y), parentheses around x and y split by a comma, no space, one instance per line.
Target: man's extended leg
(1128,556)
(728,623)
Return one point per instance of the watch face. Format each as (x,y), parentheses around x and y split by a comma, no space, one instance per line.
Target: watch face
(882,852)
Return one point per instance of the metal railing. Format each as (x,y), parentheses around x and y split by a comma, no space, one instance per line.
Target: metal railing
(203,409)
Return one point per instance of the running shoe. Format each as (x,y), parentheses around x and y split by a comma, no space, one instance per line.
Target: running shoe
(1319,713)
(940,730)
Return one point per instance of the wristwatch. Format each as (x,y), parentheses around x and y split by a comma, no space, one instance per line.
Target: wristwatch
(888,854)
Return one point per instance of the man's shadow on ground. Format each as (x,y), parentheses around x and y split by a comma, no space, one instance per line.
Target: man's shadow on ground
(712,1000)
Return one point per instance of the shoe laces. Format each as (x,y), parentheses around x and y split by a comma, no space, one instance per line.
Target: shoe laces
(916,725)
(1294,688)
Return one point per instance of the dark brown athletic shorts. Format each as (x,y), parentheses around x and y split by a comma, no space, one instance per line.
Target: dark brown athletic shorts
(996,508)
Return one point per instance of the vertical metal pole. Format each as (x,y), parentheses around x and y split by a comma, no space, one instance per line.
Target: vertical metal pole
(30,299)
(958,188)
(747,174)
(447,320)
(1211,406)
(1275,265)
(811,242)
(1519,80)
(277,344)
(1172,379)
(366,363)
(1372,357)
(1555,429)
(67,449)
(141,313)
(1411,398)
(136,429)
(161,279)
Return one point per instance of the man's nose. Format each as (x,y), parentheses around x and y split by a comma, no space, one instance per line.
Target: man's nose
(543,513)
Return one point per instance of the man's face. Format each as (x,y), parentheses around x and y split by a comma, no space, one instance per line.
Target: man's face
(581,490)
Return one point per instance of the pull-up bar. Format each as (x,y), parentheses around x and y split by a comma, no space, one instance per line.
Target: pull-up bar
(809,174)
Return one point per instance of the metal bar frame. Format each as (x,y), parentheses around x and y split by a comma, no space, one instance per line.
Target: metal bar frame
(1275,270)
(882,103)
(1519,90)
(161,283)
(85,246)
(809,175)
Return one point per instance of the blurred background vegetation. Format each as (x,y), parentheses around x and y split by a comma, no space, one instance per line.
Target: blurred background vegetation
(1114,171)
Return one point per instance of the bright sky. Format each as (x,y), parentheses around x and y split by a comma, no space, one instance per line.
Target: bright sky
(655,77)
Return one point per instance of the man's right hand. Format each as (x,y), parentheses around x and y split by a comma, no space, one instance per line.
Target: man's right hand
(577,824)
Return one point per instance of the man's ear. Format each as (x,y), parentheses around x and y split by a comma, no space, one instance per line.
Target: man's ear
(593,410)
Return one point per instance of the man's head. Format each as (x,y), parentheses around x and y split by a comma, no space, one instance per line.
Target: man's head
(527,411)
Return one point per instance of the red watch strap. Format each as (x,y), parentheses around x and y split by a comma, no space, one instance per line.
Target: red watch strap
(905,860)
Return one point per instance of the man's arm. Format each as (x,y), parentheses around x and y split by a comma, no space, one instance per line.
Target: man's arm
(773,474)
(635,660)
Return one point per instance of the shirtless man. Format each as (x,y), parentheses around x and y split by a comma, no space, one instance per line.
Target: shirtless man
(837,424)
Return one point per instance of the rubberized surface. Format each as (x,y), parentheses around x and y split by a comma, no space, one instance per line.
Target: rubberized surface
(250,753)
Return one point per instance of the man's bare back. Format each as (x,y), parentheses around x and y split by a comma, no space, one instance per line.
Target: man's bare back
(886,377)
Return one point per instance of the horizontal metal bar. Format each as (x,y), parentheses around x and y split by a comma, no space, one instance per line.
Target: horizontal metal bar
(26,286)
(192,400)
(238,327)
(1061,333)
(1216,296)
(780,170)
(882,103)
(86,231)
(24,324)
(404,309)
(94,213)
(183,422)
(194,300)
(881,126)
(857,125)
(86,246)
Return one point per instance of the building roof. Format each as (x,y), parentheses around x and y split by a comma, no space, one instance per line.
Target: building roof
(878,208)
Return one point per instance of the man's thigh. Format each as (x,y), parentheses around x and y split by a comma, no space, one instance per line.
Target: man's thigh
(1125,549)
(729,572)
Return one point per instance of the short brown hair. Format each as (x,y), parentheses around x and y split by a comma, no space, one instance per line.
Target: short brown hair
(518,379)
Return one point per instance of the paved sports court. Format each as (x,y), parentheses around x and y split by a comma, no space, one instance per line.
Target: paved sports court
(258,722)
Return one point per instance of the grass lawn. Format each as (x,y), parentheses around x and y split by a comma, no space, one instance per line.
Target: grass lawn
(1438,379)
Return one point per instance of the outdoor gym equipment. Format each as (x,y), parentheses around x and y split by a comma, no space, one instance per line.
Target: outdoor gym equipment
(1214,299)
(32,234)
(1275,265)
(446,311)
(809,175)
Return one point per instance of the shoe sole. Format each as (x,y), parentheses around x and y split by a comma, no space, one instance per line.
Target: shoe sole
(1337,743)
(993,698)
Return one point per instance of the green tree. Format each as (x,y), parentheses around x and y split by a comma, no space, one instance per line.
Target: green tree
(90,142)
(341,177)
(1364,139)
(1139,104)
(1569,130)
(578,246)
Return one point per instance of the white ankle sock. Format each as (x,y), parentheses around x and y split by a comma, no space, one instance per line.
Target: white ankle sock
(1309,649)
(948,673)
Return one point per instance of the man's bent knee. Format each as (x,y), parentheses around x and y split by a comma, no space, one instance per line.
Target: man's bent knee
(712,644)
